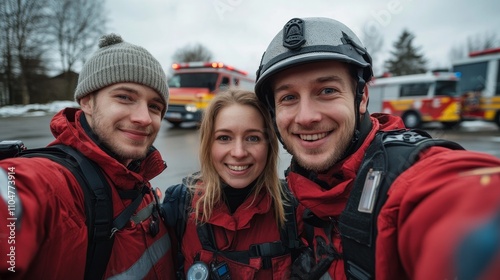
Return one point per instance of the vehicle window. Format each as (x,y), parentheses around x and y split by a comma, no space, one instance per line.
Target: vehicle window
(236,82)
(473,76)
(446,88)
(416,89)
(248,85)
(224,84)
(175,81)
(195,80)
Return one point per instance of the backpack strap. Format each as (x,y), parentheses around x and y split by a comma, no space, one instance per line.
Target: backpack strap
(266,251)
(175,211)
(124,217)
(389,155)
(98,203)
(175,208)
(289,234)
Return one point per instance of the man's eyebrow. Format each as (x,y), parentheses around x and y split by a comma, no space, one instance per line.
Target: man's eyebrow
(125,88)
(282,87)
(160,100)
(134,91)
(333,78)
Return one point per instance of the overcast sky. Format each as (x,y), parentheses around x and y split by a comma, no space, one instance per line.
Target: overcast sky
(237,32)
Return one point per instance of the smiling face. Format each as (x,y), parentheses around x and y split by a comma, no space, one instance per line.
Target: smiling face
(126,117)
(315,112)
(239,148)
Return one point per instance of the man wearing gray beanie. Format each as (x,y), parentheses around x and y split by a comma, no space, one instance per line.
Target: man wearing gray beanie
(117,61)
(123,94)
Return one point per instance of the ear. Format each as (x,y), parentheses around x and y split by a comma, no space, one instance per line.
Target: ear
(364,101)
(86,103)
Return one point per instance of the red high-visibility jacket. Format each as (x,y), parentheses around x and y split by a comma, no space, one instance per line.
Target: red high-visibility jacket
(420,200)
(248,225)
(50,240)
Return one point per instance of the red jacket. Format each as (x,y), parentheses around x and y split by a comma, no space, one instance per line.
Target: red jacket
(420,199)
(473,250)
(236,232)
(50,240)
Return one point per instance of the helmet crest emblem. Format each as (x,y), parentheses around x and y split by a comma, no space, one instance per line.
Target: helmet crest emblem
(293,34)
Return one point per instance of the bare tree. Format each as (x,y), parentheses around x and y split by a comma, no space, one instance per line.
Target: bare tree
(190,53)
(6,90)
(373,41)
(473,43)
(23,42)
(32,31)
(76,26)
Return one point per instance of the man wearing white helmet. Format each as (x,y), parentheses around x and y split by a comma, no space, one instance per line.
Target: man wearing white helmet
(368,208)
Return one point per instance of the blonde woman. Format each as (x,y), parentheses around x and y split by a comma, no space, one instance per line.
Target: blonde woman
(236,206)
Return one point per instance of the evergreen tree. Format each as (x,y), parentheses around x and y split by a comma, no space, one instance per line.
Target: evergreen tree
(406,58)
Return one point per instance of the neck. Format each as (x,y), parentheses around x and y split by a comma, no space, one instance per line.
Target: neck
(235,197)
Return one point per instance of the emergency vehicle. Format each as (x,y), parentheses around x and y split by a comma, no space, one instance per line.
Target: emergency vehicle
(479,85)
(418,98)
(194,84)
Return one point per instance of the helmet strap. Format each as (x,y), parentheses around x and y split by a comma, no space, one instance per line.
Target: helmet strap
(358,96)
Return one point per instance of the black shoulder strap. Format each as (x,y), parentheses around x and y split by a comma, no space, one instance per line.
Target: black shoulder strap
(175,211)
(98,203)
(266,251)
(175,208)
(289,234)
(390,154)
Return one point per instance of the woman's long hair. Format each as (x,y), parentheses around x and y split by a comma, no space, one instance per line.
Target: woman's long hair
(210,179)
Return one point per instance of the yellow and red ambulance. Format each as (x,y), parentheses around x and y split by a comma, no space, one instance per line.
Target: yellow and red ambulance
(479,85)
(418,98)
(194,84)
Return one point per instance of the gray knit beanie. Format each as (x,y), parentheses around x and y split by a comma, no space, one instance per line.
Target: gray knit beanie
(117,61)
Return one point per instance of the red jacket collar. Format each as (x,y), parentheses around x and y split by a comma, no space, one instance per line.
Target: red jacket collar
(326,203)
(67,129)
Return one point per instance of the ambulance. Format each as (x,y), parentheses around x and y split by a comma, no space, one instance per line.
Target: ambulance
(418,98)
(194,84)
(479,85)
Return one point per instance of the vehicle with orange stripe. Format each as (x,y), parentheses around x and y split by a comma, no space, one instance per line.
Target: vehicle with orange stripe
(418,98)
(479,85)
(194,84)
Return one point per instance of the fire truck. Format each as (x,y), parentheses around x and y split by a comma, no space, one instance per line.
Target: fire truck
(479,85)
(194,84)
(418,98)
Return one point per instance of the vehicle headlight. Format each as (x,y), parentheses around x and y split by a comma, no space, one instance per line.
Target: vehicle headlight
(191,108)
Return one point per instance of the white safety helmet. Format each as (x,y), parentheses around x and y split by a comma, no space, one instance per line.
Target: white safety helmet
(308,40)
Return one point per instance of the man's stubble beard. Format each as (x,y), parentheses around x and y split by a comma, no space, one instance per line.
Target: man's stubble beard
(335,154)
(105,138)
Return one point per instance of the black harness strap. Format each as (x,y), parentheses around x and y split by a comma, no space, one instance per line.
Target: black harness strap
(266,251)
(125,215)
(98,204)
(289,234)
(390,154)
